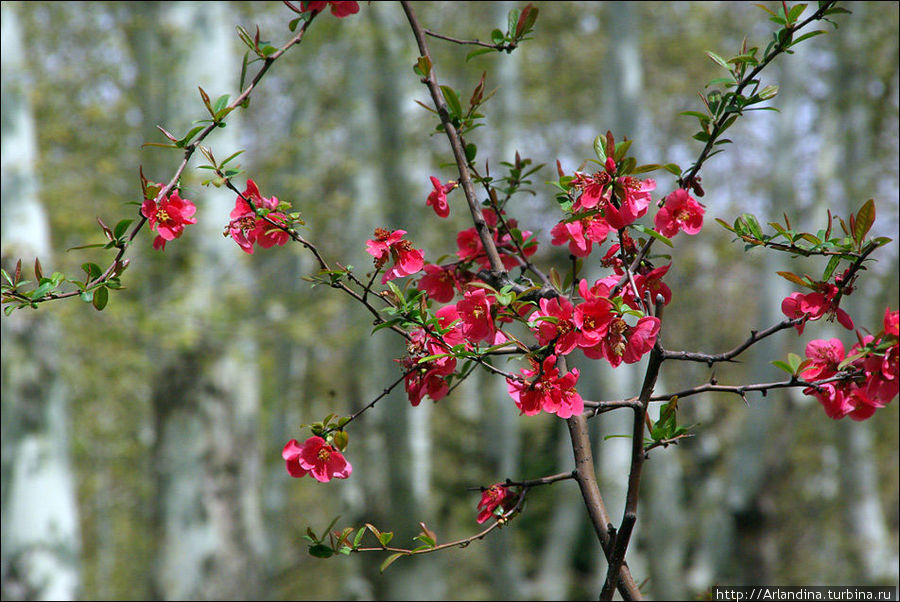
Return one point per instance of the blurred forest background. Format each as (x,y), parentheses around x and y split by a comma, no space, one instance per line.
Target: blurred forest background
(141,446)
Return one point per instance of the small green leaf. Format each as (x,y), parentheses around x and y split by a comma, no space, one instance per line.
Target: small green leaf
(479,51)
(718,60)
(390,560)
(101,298)
(651,232)
(385,538)
(783,365)
(321,551)
(829,269)
(359,536)
(864,220)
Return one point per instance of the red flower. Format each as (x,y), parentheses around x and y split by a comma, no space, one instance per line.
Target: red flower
(495,496)
(426,378)
(560,328)
(339,8)
(680,212)
(438,197)
(247,229)
(813,306)
(386,245)
(548,391)
(438,282)
(168,218)
(625,343)
(475,312)
(873,380)
(315,457)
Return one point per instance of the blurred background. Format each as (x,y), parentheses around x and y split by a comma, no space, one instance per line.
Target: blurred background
(141,446)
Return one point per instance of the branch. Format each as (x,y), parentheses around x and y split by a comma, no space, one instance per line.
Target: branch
(458,152)
(755,337)
(189,149)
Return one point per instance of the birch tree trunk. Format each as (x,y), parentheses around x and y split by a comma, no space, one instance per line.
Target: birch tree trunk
(205,398)
(41,542)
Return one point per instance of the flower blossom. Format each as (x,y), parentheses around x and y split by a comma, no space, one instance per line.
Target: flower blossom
(168,218)
(625,343)
(247,229)
(560,328)
(680,212)
(387,245)
(814,305)
(315,457)
(426,378)
(475,312)
(438,197)
(339,8)
(548,391)
(495,496)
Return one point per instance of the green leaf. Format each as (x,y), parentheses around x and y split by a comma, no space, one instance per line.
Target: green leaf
(829,269)
(452,101)
(795,12)
(600,148)
(121,227)
(479,51)
(783,365)
(101,298)
(653,233)
(753,225)
(359,536)
(672,168)
(321,551)
(471,151)
(718,60)
(385,537)
(390,560)
(794,361)
(99,244)
(87,296)
(864,220)
(725,225)
(92,270)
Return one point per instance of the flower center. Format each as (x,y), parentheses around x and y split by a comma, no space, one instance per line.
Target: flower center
(683,216)
(324,454)
(162,215)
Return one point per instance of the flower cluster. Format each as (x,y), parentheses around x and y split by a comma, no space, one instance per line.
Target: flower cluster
(387,245)
(494,497)
(168,218)
(680,212)
(547,390)
(874,360)
(812,306)
(317,458)
(428,377)
(339,8)
(247,228)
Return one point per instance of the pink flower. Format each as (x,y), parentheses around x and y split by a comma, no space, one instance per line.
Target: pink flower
(812,306)
(438,282)
(580,234)
(387,245)
(635,198)
(247,229)
(548,391)
(475,312)
(339,8)
(315,457)
(426,378)
(560,328)
(438,197)
(625,343)
(168,218)
(594,189)
(891,322)
(592,319)
(495,496)
(871,382)
(680,212)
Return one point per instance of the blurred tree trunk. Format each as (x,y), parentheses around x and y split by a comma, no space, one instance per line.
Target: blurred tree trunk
(41,541)
(206,397)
